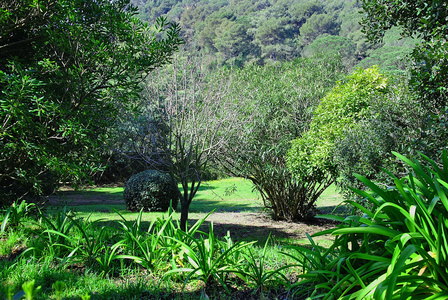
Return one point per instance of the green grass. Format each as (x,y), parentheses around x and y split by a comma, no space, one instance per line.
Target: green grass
(227,195)
(230,194)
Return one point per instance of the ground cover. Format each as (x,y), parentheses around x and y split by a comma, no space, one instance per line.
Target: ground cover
(238,210)
(237,207)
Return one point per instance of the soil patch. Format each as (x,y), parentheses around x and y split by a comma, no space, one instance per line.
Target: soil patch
(250,225)
(241,225)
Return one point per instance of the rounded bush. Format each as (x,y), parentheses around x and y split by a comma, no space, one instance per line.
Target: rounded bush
(151,191)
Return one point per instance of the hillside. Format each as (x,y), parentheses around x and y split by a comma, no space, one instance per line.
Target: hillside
(239,32)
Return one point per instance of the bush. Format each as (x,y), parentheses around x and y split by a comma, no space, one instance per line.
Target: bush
(150,190)
(397,249)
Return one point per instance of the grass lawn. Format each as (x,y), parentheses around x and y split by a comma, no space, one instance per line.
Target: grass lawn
(237,209)
(225,195)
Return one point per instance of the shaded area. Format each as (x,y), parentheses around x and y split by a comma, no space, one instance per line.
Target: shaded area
(205,206)
(252,227)
(141,285)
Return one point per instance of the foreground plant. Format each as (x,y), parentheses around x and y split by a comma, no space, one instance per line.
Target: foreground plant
(28,292)
(209,258)
(399,248)
(254,270)
(16,214)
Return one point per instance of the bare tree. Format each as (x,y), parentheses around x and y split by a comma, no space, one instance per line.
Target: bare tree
(182,123)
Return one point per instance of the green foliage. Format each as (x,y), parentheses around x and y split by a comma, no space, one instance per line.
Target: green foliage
(29,290)
(236,33)
(254,269)
(58,288)
(162,249)
(150,190)
(16,214)
(332,45)
(54,238)
(427,21)
(320,269)
(210,259)
(311,155)
(174,126)
(394,124)
(62,66)
(396,249)
(316,25)
(276,104)
(429,74)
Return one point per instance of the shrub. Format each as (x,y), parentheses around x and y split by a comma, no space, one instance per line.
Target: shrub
(150,190)
(397,249)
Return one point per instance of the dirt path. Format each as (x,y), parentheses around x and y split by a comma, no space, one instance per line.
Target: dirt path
(246,225)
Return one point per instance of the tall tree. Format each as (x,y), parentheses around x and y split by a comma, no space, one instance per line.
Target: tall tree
(427,21)
(182,124)
(277,103)
(63,63)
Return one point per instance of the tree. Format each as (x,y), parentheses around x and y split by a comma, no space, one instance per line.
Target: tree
(182,124)
(276,103)
(333,45)
(427,21)
(355,128)
(63,63)
(311,155)
(316,25)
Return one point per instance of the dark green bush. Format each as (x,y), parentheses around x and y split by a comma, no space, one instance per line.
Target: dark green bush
(150,190)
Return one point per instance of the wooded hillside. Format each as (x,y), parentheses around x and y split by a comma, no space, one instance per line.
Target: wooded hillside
(239,32)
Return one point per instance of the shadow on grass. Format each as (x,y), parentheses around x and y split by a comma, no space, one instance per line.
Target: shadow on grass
(205,206)
(336,210)
(247,232)
(132,286)
(197,206)
(115,195)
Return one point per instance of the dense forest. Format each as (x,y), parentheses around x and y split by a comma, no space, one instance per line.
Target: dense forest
(242,32)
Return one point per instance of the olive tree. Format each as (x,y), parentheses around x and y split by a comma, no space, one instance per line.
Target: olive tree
(276,105)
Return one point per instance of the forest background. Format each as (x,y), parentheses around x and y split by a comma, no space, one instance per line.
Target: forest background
(257,90)
(238,33)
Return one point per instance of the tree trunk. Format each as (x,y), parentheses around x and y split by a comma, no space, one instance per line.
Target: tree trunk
(184,207)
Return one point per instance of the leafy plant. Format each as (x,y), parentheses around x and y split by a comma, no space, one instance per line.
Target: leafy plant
(150,190)
(253,269)
(29,291)
(92,241)
(16,214)
(45,137)
(58,288)
(150,248)
(54,236)
(279,101)
(398,249)
(209,258)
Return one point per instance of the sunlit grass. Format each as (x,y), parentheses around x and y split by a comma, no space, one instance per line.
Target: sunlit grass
(227,195)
